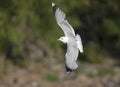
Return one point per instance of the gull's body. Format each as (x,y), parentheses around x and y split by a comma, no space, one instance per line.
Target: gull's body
(74,44)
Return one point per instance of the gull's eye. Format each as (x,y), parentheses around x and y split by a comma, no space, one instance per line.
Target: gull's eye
(61,38)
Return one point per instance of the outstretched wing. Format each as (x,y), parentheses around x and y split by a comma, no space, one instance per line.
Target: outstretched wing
(62,22)
(71,56)
(72,52)
(79,43)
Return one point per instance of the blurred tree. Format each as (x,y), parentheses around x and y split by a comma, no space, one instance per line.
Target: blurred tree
(97,21)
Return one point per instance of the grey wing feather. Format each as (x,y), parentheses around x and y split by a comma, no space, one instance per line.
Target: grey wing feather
(62,22)
(72,52)
(71,56)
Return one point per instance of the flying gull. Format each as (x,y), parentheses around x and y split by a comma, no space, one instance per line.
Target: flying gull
(74,43)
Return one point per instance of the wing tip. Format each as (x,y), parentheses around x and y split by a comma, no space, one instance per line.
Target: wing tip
(53,4)
(68,70)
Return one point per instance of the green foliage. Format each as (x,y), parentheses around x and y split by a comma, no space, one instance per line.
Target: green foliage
(78,70)
(30,19)
(52,77)
(105,71)
(94,53)
(111,28)
(102,72)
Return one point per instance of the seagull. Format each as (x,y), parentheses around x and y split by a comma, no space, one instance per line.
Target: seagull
(74,42)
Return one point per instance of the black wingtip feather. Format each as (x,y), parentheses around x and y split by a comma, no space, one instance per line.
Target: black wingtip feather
(54,6)
(68,70)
